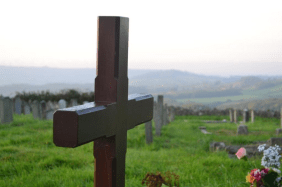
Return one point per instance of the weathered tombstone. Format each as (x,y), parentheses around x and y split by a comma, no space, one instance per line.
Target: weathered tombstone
(281,118)
(159,115)
(253,116)
(26,108)
(231,115)
(42,108)
(148,132)
(62,104)
(172,111)
(165,115)
(18,105)
(50,109)
(6,110)
(275,141)
(235,116)
(245,116)
(73,102)
(242,129)
(114,111)
(155,110)
(36,110)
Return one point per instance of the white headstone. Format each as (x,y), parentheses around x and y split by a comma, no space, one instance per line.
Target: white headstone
(62,104)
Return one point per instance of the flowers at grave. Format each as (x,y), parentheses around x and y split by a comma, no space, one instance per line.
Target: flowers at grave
(241,153)
(269,173)
(156,180)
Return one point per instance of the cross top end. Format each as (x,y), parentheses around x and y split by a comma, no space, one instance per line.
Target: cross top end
(112,59)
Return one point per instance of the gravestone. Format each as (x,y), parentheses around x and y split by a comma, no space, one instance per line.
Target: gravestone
(148,132)
(235,117)
(253,116)
(42,108)
(18,105)
(36,110)
(6,110)
(245,116)
(62,104)
(26,108)
(165,115)
(172,111)
(155,110)
(275,141)
(242,129)
(106,122)
(73,102)
(281,118)
(159,115)
(231,115)
(50,109)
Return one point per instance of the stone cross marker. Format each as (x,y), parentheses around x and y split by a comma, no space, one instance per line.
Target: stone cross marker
(107,121)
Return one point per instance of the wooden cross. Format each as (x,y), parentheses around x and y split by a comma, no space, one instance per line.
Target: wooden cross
(106,121)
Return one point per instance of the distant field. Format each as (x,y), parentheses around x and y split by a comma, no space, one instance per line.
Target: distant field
(273,92)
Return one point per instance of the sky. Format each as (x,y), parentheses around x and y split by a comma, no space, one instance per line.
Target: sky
(209,37)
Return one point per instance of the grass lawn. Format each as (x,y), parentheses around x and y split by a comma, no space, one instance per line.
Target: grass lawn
(28,156)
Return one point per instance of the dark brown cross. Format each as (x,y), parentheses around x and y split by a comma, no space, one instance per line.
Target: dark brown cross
(106,121)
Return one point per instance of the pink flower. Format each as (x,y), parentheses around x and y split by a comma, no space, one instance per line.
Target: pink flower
(241,153)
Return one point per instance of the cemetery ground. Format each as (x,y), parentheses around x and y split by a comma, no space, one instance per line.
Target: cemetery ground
(28,156)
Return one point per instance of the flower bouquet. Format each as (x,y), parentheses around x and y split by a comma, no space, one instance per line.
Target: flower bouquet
(269,174)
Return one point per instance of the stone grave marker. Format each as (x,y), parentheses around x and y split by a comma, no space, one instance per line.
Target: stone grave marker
(245,116)
(6,110)
(281,118)
(148,132)
(235,117)
(159,115)
(62,104)
(36,110)
(26,108)
(107,121)
(42,108)
(73,102)
(50,109)
(242,129)
(274,141)
(171,113)
(155,110)
(165,114)
(18,105)
(253,116)
(231,115)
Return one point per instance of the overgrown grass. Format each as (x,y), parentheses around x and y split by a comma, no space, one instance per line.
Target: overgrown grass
(28,156)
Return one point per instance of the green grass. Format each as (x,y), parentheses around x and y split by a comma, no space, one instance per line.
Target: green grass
(28,157)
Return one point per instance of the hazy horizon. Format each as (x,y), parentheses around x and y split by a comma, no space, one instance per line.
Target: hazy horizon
(218,38)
